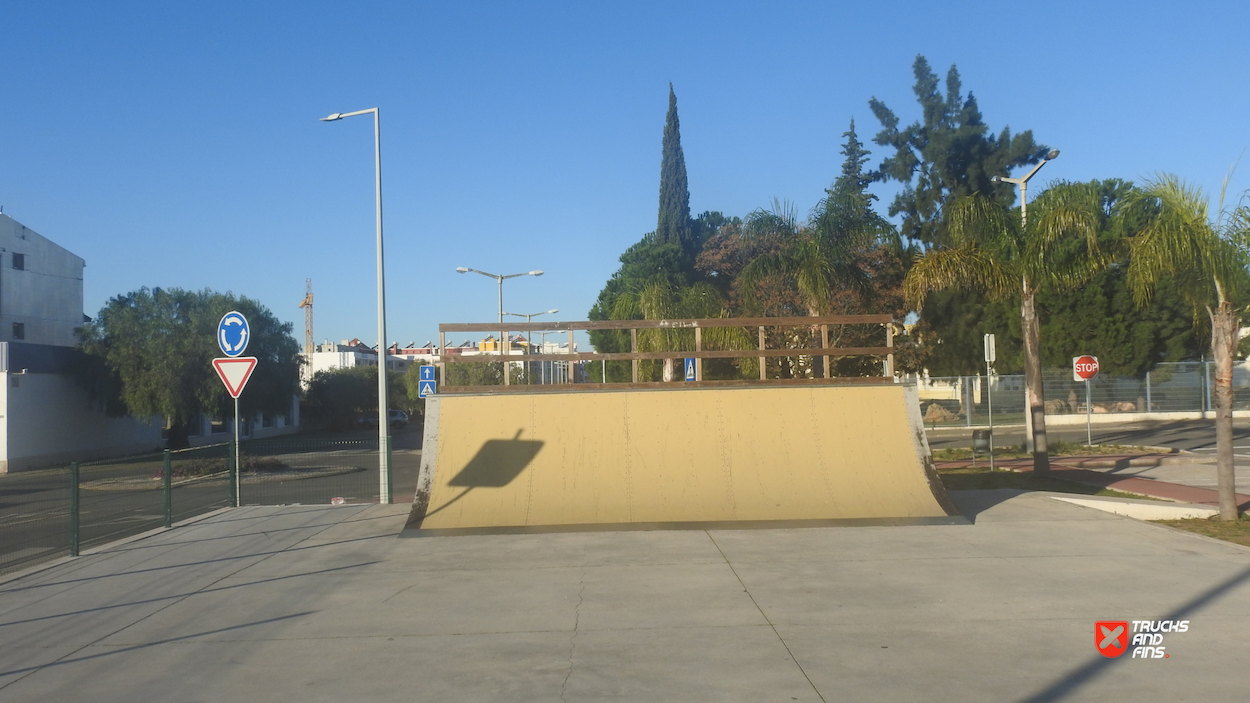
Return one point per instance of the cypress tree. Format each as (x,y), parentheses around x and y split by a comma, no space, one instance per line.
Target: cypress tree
(674,221)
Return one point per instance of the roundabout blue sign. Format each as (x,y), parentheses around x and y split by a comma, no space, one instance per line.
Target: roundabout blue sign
(233,333)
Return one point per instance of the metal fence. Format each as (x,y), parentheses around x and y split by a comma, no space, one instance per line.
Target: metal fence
(1170,387)
(58,512)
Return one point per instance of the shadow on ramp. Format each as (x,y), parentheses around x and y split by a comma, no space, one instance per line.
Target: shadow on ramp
(496,464)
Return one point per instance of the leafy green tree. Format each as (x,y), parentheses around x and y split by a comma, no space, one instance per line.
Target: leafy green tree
(826,255)
(990,250)
(674,220)
(665,256)
(1103,318)
(149,353)
(647,262)
(1206,254)
(948,154)
(337,398)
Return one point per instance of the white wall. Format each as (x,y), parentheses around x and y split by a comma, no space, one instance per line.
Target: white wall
(46,297)
(47,420)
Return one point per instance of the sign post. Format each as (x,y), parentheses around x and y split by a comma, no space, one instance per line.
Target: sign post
(1085,368)
(234,370)
(990,357)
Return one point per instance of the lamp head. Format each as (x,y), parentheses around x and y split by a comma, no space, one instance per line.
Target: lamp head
(552,311)
(331,118)
(536,272)
(1054,154)
(461,269)
(996,179)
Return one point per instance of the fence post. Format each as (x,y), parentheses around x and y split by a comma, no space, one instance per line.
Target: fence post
(967,400)
(1149,407)
(1206,386)
(73,509)
(169,493)
(234,477)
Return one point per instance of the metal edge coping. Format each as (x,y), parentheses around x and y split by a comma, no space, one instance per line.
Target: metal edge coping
(416,532)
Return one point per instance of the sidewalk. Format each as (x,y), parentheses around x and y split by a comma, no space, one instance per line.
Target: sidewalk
(320,603)
(1141,474)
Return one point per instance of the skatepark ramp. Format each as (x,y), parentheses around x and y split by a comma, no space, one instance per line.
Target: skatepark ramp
(777,451)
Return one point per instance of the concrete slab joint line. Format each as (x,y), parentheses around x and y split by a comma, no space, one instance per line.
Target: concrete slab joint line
(764,615)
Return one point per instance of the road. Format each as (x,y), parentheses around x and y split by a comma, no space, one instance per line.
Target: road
(1190,435)
(123,499)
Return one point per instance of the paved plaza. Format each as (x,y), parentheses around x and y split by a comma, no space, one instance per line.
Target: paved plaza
(320,603)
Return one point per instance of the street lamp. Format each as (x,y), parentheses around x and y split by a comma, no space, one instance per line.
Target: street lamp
(500,280)
(1023,185)
(529,336)
(384,425)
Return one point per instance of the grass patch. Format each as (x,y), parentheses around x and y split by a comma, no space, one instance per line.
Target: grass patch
(1235,531)
(195,468)
(981,478)
(1059,448)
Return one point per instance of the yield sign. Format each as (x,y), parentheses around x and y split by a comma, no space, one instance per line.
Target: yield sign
(235,372)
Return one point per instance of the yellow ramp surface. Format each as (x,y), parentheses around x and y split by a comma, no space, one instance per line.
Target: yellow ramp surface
(676,456)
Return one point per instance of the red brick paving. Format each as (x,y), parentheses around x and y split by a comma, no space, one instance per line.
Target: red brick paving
(1068,469)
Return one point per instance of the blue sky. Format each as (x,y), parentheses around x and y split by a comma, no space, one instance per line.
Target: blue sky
(178,144)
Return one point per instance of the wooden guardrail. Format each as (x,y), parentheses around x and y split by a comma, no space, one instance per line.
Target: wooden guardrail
(757,324)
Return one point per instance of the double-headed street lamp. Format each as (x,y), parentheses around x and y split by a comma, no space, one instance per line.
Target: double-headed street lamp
(500,280)
(384,425)
(1023,185)
(529,336)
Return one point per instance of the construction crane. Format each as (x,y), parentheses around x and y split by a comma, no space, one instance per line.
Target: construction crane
(308,331)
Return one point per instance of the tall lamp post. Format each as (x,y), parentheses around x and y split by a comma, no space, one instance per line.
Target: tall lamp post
(1023,185)
(500,279)
(529,336)
(384,425)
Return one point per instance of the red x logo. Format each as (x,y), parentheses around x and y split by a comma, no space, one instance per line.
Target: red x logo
(1111,637)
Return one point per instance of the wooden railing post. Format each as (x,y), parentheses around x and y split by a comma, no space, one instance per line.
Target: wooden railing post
(442,352)
(824,344)
(572,368)
(633,349)
(889,342)
(698,358)
(763,370)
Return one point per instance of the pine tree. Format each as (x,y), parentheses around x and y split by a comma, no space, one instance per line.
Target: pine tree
(853,175)
(674,221)
(949,153)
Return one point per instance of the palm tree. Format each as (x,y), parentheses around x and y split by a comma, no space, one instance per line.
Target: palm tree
(659,300)
(1207,259)
(990,250)
(821,255)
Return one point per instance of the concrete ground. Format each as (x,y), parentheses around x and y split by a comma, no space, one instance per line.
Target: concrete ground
(305,603)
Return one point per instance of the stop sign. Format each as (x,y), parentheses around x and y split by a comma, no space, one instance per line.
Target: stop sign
(1084,368)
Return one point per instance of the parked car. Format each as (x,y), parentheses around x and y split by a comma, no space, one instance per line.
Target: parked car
(397,418)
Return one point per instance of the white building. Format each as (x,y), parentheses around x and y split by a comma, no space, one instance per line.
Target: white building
(347,354)
(40,288)
(45,417)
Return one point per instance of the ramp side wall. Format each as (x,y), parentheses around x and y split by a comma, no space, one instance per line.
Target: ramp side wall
(705,455)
